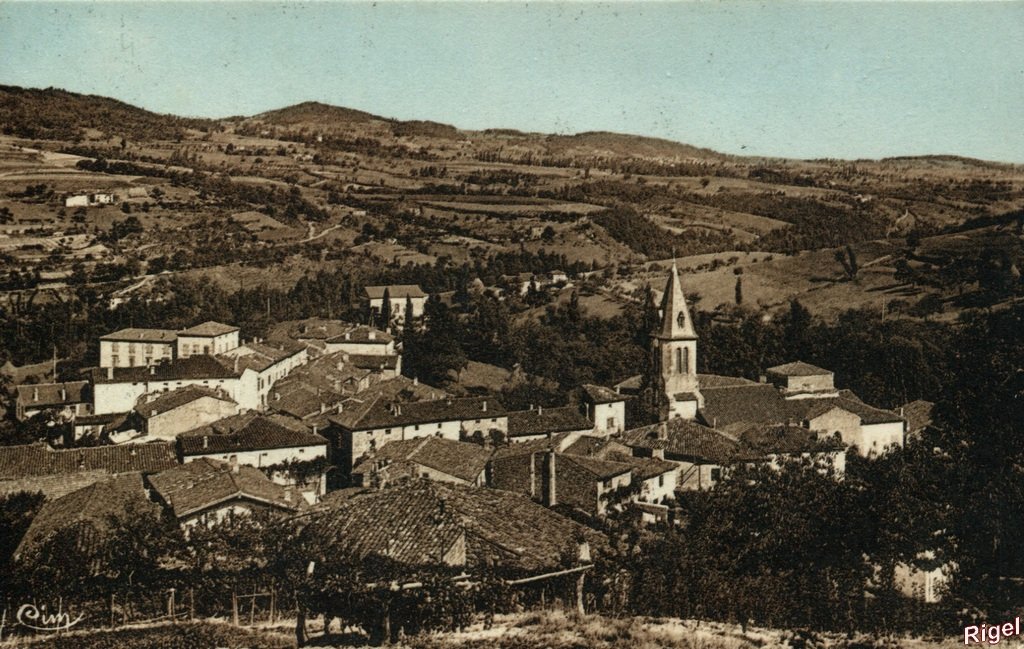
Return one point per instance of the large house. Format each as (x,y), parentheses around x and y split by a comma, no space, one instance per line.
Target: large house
(206,491)
(165,415)
(433,458)
(330,336)
(264,443)
(135,347)
(398,296)
(68,400)
(363,427)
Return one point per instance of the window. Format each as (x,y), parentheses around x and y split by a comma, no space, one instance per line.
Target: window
(149,348)
(686,360)
(113,360)
(661,480)
(716,474)
(131,361)
(679,361)
(113,347)
(610,424)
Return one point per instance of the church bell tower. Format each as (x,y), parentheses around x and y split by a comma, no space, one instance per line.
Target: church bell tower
(675,354)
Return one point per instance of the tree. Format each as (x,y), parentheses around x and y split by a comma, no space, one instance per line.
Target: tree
(385,310)
(739,290)
(847,258)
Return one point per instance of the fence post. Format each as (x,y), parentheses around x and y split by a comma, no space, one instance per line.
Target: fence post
(579,593)
(234,608)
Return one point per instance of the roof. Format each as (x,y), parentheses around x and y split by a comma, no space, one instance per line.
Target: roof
(676,323)
(918,415)
(383,413)
(96,505)
(43,395)
(738,406)
(374,361)
(587,445)
(419,521)
(461,460)
(192,367)
(601,394)
(645,468)
(259,356)
(208,329)
(334,331)
(40,460)
(395,291)
(141,335)
(167,401)
(797,368)
(632,384)
(684,439)
(302,402)
(204,483)
(241,433)
(554,442)
(540,421)
(600,469)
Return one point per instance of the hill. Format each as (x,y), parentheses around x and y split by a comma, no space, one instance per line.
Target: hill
(52,113)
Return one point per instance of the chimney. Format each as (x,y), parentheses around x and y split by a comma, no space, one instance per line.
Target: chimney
(340,408)
(483,406)
(233,461)
(110,373)
(348,336)
(64,397)
(236,364)
(287,494)
(762,378)
(415,380)
(152,370)
(323,407)
(658,453)
(901,411)
(550,492)
(531,407)
(315,428)
(152,413)
(206,441)
(540,410)
(35,394)
(373,335)
(663,430)
(618,390)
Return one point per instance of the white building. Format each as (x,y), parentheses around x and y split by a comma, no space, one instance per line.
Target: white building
(398,295)
(137,347)
(207,338)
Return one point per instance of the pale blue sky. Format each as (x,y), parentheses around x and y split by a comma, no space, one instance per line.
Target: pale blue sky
(788,79)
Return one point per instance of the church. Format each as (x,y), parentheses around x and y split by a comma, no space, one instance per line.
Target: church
(794,401)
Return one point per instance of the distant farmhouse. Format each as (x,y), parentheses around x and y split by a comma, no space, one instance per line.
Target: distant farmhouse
(398,296)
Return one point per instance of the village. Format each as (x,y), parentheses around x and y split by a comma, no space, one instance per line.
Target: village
(204,426)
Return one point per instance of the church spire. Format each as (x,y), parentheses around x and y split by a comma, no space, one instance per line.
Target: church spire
(675,315)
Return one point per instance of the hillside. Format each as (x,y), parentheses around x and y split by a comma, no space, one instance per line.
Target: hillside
(263,200)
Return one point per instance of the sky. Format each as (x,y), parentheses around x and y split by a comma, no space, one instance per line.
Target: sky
(775,78)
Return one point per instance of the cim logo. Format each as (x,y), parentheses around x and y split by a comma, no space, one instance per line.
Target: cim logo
(39,619)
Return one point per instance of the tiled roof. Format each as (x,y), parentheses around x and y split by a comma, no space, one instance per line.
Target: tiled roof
(208,329)
(374,361)
(204,483)
(645,468)
(601,394)
(167,401)
(96,504)
(407,523)
(918,415)
(802,409)
(259,356)
(45,395)
(555,442)
(600,469)
(382,413)
(142,335)
(193,367)
(362,334)
(797,368)
(523,423)
(708,381)
(303,402)
(685,440)
(40,459)
(749,403)
(246,432)
(586,445)
(458,459)
(395,291)
(419,521)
